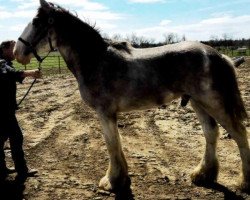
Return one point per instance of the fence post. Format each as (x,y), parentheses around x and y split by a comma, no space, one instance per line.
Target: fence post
(59,64)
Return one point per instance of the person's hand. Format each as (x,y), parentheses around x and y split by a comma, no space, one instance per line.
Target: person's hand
(37,74)
(33,73)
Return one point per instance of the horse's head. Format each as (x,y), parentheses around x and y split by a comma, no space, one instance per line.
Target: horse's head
(57,27)
(37,34)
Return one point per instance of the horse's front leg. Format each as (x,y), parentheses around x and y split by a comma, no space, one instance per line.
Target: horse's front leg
(117,174)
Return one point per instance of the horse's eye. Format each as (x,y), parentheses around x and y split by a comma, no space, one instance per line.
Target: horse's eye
(36,21)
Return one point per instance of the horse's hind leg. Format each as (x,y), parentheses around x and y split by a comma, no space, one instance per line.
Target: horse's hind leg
(239,134)
(117,174)
(207,170)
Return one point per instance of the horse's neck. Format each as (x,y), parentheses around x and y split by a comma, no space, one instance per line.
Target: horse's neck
(71,58)
(77,63)
(82,38)
(82,48)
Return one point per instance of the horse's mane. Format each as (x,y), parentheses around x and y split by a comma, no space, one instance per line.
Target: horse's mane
(120,45)
(59,9)
(82,37)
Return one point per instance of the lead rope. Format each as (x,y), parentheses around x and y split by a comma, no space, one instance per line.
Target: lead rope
(39,59)
(26,94)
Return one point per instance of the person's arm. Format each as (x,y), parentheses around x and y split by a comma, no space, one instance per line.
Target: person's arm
(19,75)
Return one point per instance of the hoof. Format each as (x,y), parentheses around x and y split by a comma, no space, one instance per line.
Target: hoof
(204,176)
(110,185)
(105,184)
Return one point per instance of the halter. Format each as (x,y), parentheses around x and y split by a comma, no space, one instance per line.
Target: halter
(31,46)
(33,50)
(39,59)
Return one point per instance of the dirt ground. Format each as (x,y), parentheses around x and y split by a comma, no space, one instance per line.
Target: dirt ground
(63,141)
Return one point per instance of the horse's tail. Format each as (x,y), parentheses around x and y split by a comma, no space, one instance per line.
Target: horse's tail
(237,61)
(225,82)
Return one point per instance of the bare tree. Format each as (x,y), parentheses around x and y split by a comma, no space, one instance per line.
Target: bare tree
(117,37)
(183,38)
(171,38)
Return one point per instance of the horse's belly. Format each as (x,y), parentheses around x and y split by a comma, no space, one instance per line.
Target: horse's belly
(129,104)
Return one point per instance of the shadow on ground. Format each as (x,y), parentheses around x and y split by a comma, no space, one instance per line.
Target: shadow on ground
(228,194)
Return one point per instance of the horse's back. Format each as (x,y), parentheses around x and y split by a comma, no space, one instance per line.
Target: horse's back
(172,49)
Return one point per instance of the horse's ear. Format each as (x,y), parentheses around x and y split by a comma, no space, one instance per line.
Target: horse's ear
(45,5)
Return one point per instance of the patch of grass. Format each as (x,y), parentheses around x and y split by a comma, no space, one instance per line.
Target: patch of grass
(234,53)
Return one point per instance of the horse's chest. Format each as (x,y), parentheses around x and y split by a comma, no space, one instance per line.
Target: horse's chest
(86,94)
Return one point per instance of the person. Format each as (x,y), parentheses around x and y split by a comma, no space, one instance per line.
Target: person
(9,128)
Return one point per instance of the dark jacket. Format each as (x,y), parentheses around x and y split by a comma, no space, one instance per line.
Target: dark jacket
(8,78)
